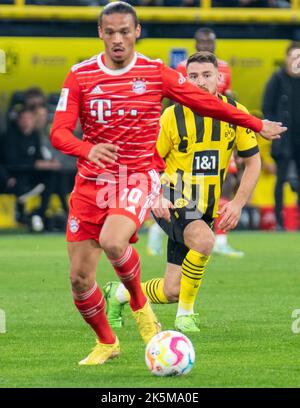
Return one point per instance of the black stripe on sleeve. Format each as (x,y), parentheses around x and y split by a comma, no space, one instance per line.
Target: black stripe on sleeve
(181,126)
(230,144)
(249,152)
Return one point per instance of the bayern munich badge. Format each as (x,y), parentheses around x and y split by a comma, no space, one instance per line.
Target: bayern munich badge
(74,224)
(139,86)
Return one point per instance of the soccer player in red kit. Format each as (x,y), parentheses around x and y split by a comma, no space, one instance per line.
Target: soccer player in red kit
(117,96)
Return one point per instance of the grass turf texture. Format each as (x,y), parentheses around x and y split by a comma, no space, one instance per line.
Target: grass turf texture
(245,308)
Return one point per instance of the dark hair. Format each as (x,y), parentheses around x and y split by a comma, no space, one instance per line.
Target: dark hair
(34,92)
(118,7)
(293,45)
(204,30)
(201,57)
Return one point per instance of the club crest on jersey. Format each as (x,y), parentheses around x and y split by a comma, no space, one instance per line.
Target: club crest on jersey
(139,86)
(180,203)
(74,224)
(229,131)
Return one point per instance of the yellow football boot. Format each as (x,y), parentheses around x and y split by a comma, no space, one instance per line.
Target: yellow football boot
(101,353)
(147,322)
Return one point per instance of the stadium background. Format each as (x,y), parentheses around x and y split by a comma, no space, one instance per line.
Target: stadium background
(246,305)
(252,41)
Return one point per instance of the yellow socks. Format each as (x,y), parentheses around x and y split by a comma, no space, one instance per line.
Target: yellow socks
(191,276)
(154,290)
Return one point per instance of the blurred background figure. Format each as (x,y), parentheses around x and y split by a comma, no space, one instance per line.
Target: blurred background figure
(205,40)
(65,166)
(34,97)
(24,161)
(281,102)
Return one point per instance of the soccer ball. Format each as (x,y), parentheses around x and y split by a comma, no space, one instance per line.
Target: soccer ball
(170,353)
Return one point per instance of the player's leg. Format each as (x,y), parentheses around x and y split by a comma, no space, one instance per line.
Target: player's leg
(84,257)
(199,238)
(117,295)
(157,290)
(122,255)
(126,262)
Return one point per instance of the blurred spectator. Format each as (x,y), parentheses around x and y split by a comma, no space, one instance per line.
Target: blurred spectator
(7,182)
(281,103)
(205,40)
(30,98)
(34,97)
(25,162)
(63,180)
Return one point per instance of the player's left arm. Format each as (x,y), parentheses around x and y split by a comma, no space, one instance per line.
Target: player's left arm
(231,211)
(247,147)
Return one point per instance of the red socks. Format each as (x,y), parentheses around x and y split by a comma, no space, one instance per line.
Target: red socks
(128,269)
(91,306)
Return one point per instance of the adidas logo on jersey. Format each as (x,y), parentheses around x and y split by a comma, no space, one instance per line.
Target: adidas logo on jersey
(97,90)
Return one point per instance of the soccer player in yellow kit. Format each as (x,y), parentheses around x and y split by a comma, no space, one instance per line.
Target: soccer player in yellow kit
(197,153)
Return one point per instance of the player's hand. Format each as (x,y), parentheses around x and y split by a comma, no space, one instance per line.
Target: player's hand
(272,130)
(161,208)
(103,152)
(230,213)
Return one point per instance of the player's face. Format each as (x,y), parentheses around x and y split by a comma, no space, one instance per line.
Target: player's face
(119,34)
(206,42)
(204,75)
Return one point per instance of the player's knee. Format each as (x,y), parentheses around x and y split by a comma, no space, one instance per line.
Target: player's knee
(172,292)
(200,241)
(113,247)
(79,280)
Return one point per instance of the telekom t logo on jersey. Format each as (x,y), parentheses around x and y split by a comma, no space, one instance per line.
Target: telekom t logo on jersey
(102,108)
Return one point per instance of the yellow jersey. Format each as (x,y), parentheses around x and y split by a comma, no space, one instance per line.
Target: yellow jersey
(197,153)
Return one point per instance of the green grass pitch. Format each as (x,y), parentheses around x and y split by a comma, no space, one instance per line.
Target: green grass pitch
(245,308)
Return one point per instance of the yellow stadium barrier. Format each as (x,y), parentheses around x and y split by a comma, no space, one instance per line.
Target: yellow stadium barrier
(7,211)
(204,13)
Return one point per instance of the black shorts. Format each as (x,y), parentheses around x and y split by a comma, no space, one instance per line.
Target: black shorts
(186,212)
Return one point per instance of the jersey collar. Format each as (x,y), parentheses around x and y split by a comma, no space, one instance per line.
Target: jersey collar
(115,72)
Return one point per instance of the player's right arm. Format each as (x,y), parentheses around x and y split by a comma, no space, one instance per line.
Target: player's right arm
(64,123)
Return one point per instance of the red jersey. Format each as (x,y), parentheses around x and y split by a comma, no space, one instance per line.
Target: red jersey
(224,79)
(123,107)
